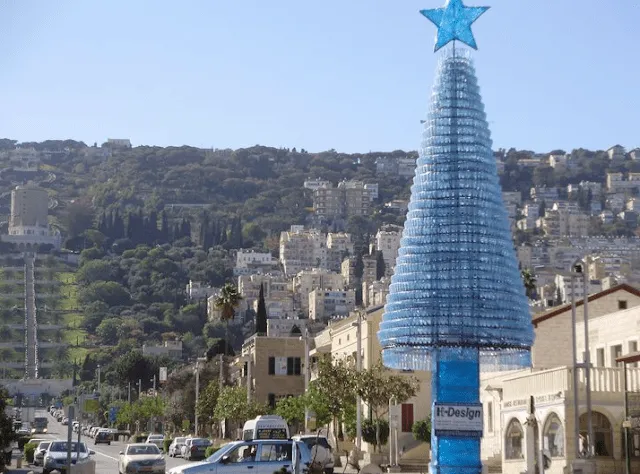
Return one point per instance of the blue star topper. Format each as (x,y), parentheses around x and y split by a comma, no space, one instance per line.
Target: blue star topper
(454,22)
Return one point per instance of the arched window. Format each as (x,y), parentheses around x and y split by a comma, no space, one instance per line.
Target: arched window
(554,436)
(602,433)
(514,440)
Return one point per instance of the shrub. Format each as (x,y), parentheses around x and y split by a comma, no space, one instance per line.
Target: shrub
(22,441)
(167,442)
(29,452)
(422,430)
(210,450)
(369,431)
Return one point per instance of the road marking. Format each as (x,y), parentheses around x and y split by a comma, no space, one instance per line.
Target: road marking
(106,455)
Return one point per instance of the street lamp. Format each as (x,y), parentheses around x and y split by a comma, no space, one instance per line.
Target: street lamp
(358,326)
(305,338)
(197,370)
(99,379)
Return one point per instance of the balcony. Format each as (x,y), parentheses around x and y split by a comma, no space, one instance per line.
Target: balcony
(553,381)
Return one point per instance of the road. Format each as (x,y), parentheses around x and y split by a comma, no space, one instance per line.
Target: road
(106,457)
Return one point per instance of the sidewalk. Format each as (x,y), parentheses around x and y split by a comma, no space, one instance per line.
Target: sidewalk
(24,469)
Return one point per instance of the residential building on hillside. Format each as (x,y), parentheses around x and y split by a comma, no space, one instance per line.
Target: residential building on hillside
(369,272)
(119,142)
(531,209)
(388,242)
(276,287)
(339,342)
(326,304)
(616,201)
(314,184)
(349,198)
(616,152)
(339,245)
(308,280)
(563,288)
(276,368)
(558,161)
(302,250)
(541,193)
(375,293)
(250,261)
(633,204)
(288,327)
(372,189)
(606,217)
(615,182)
(635,154)
(404,167)
(561,223)
(398,205)
(22,159)
(172,349)
(197,290)
(512,197)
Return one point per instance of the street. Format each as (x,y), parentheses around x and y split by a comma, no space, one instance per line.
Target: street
(106,456)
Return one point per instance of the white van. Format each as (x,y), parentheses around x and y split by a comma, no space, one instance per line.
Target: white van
(265,427)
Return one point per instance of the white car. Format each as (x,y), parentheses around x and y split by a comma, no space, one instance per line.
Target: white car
(321,452)
(255,457)
(38,454)
(175,448)
(141,458)
(55,459)
(156,439)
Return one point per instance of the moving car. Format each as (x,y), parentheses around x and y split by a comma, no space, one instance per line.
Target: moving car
(156,439)
(104,437)
(195,448)
(265,427)
(141,458)
(175,448)
(55,457)
(38,454)
(320,449)
(256,457)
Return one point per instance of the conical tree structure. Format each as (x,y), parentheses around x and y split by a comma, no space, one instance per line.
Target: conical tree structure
(456,281)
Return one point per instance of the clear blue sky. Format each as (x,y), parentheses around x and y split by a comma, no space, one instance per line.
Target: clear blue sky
(354,75)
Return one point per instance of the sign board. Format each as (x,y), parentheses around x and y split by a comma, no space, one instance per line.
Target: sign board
(163,374)
(90,405)
(113,414)
(458,419)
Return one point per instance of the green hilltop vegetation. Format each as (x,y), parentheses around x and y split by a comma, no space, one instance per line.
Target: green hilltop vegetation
(123,209)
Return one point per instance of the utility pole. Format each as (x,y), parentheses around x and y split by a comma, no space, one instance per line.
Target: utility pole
(198,360)
(576,391)
(99,379)
(139,389)
(154,384)
(129,394)
(306,375)
(249,376)
(358,325)
(587,357)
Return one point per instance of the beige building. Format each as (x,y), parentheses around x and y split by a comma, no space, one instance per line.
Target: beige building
(369,271)
(171,349)
(339,341)
(338,246)
(513,429)
(302,250)
(601,266)
(388,242)
(29,220)
(326,304)
(276,368)
(308,280)
(349,198)
(565,222)
(375,293)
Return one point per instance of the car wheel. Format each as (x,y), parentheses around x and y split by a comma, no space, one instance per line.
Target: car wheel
(109,443)
(328,470)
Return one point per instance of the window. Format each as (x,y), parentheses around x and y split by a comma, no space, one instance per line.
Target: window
(490,417)
(622,304)
(275,452)
(407,417)
(294,366)
(243,453)
(272,365)
(514,438)
(616,351)
(602,434)
(599,357)
(554,436)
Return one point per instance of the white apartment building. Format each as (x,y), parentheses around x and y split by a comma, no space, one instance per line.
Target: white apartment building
(302,249)
(560,223)
(369,272)
(326,304)
(338,246)
(277,290)
(616,201)
(277,308)
(314,184)
(197,290)
(23,159)
(284,327)
(541,193)
(601,266)
(615,182)
(372,189)
(563,286)
(635,154)
(349,198)
(308,280)
(512,197)
(556,161)
(512,431)
(616,152)
(531,209)
(375,293)
(171,349)
(606,217)
(388,242)
(250,261)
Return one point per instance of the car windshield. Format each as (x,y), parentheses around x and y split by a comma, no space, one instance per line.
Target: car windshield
(61,446)
(217,456)
(142,450)
(200,442)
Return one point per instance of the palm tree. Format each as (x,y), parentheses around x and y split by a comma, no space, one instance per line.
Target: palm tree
(62,354)
(529,280)
(226,302)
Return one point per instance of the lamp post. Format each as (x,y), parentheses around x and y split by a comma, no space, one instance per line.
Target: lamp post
(99,379)
(358,325)
(305,338)
(197,369)
(587,357)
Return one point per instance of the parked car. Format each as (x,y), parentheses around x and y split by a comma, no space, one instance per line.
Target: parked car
(104,437)
(65,421)
(195,448)
(38,454)
(175,448)
(259,456)
(141,457)
(55,458)
(156,439)
(320,449)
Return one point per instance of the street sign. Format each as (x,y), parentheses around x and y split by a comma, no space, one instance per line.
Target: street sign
(91,404)
(462,420)
(163,374)
(113,414)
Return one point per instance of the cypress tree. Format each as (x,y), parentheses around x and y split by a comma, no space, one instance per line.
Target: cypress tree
(380,265)
(261,315)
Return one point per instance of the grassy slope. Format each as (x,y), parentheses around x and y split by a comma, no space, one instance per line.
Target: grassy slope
(69,301)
